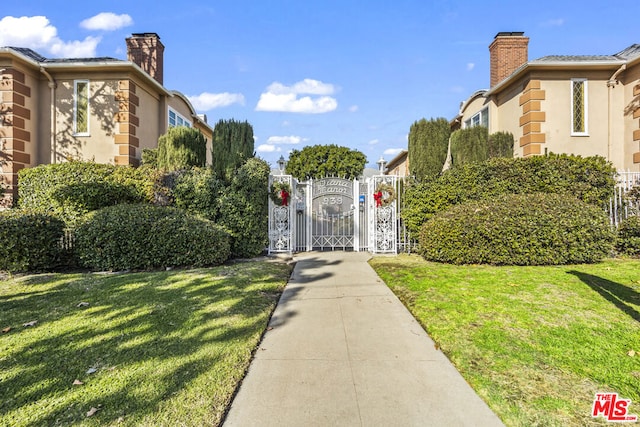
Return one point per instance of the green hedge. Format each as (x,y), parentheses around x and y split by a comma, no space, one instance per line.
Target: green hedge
(533,229)
(126,237)
(69,190)
(469,145)
(244,208)
(198,191)
(628,241)
(29,241)
(240,205)
(590,179)
(181,148)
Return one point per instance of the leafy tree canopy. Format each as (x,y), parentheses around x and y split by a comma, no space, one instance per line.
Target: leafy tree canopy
(320,161)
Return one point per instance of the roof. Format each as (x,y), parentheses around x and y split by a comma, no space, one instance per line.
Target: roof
(31,54)
(399,158)
(99,63)
(625,56)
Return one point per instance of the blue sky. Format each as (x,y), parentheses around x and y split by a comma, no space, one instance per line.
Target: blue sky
(304,72)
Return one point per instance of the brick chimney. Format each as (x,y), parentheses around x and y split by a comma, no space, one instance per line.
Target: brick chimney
(508,51)
(146,50)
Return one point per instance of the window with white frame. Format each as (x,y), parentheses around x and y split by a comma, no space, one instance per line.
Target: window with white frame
(176,119)
(579,107)
(479,119)
(81,107)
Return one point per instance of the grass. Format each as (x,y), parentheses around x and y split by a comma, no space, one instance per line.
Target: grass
(536,343)
(167,348)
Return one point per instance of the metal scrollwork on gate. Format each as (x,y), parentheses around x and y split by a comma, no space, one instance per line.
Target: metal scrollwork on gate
(281,215)
(384,214)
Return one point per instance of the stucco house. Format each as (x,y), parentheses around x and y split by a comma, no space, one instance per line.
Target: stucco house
(586,105)
(101,109)
(399,165)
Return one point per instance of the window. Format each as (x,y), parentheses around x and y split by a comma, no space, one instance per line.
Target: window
(579,107)
(479,119)
(175,119)
(81,107)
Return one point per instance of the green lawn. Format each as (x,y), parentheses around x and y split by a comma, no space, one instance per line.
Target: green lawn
(536,343)
(160,348)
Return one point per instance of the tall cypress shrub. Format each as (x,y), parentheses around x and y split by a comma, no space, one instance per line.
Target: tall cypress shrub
(500,144)
(428,142)
(181,148)
(232,146)
(469,145)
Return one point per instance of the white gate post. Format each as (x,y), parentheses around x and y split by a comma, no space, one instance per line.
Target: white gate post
(384,226)
(281,219)
(355,208)
(309,214)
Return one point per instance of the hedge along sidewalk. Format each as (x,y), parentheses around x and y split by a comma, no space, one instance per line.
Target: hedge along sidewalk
(160,348)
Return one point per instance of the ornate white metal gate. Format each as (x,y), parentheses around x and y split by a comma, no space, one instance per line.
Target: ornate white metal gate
(333,213)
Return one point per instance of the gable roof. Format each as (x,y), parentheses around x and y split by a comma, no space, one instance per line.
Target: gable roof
(32,54)
(615,61)
(40,62)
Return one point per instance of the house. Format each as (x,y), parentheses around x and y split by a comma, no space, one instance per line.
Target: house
(585,105)
(399,165)
(101,109)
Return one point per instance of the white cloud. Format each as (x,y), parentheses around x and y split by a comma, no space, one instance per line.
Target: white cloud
(208,101)
(75,49)
(392,151)
(470,66)
(107,21)
(553,23)
(457,89)
(374,141)
(36,32)
(267,148)
(285,139)
(279,97)
(354,108)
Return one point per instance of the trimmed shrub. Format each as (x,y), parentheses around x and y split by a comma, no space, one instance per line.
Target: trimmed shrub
(628,241)
(150,157)
(240,204)
(197,191)
(590,179)
(244,209)
(69,190)
(181,148)
(126,237)
(533,229)
(29,241)
(427,147)
(501,145)
(469,145)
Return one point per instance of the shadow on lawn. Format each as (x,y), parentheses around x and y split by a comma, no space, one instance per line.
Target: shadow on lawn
(618,294)
(131,321)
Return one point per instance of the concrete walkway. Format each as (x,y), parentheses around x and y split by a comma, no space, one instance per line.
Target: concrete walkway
(342,350)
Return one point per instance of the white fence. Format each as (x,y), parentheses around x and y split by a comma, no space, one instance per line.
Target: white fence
(620,206)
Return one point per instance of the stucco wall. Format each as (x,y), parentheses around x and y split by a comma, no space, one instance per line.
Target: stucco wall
(557,106)
(98,145)
(631,111)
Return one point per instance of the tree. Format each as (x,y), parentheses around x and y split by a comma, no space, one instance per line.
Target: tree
(474,144)
(469,145)
(320,161)
(181,148)
(428,142)
(232,146)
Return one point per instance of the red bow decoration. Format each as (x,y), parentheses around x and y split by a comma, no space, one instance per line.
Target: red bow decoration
(284,195)
(378,198)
